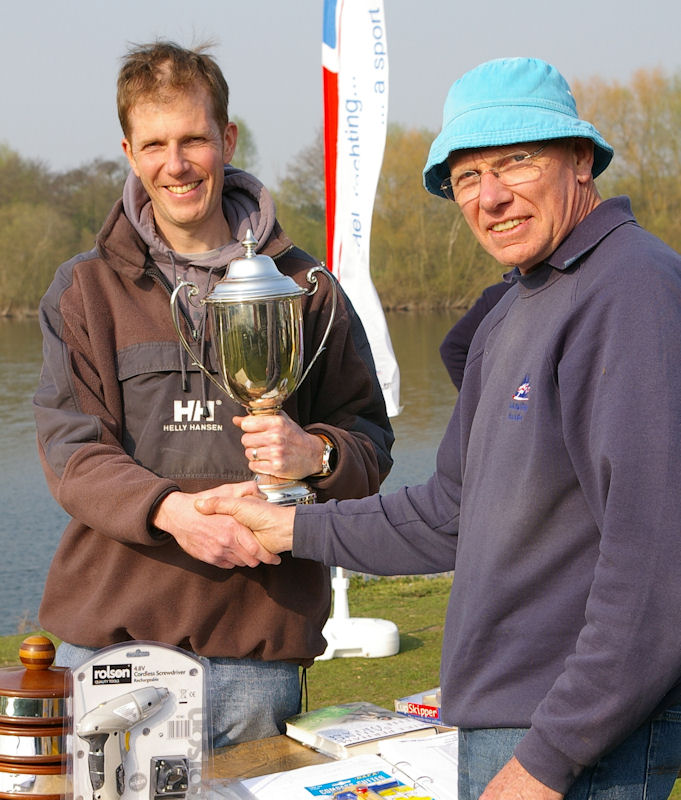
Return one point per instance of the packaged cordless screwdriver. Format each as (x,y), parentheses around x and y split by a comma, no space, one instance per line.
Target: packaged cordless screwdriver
(139,727)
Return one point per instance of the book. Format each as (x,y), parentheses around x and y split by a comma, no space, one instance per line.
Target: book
(351,728)
(341,780)
(422,705)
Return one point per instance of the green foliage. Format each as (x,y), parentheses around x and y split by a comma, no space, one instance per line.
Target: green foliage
(33,239)
(301,206)
(642,121)
(85,196)
(45,218)
(246,154)
(21,180)
(422,253)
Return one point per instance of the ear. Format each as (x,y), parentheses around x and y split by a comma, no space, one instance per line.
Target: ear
(229,141)
(584,159)
(127,149)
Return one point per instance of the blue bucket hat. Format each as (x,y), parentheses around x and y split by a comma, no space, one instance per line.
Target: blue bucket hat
(508,101)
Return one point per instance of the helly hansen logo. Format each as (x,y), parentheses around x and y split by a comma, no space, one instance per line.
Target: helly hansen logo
(194,416)
(193,411)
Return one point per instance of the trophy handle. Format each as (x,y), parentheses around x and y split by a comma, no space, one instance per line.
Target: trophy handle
(312,278)
(192,289)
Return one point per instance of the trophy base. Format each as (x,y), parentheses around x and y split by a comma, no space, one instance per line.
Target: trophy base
(289,493)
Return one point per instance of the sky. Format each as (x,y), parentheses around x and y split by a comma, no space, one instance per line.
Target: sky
(59,60)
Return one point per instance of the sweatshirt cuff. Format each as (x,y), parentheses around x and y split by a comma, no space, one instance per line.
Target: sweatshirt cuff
(548,765)
(307,543)
(157,534)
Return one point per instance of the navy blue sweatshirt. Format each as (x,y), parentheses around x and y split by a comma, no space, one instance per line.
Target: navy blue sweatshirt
(456,344)
(557,496)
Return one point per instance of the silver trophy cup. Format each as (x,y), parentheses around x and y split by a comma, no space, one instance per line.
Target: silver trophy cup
(256,325)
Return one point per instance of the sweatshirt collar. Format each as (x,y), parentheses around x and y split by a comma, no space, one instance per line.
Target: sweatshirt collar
(607,216)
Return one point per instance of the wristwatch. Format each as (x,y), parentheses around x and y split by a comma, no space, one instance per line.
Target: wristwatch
(329,457)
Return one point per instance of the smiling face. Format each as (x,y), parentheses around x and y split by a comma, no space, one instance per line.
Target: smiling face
(523,224)
(178,151)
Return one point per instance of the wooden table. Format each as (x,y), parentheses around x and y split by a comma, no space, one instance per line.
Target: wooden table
(262,756)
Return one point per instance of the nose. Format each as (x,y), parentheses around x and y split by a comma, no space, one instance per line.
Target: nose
(176,163)
(493,193)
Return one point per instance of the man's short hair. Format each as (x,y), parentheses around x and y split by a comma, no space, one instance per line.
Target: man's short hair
(154,71)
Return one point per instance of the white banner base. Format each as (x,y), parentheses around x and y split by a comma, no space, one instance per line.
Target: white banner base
(352,637)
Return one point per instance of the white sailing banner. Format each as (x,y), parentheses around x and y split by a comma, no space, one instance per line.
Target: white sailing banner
(355,70)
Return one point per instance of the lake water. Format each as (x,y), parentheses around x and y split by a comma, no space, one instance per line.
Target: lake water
(31,522)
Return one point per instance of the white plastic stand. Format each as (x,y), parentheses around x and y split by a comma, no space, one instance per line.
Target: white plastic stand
(355,636)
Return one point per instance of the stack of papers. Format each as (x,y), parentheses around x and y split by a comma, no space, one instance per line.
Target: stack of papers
(432,763)
(421,769)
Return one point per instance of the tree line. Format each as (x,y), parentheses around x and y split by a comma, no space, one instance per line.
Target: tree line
(422,254)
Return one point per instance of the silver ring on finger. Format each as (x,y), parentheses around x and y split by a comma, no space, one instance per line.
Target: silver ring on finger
(255,454)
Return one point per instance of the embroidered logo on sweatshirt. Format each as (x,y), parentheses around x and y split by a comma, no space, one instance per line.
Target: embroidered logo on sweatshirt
(518,405)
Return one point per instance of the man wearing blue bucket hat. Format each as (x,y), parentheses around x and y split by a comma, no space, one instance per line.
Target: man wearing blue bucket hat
(556,495)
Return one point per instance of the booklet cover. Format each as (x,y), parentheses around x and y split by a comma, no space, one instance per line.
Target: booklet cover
(351,728)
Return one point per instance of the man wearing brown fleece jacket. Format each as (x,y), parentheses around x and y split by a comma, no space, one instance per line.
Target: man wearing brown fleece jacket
(131,433)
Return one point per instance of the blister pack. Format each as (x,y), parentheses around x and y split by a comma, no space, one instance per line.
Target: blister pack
(139,727)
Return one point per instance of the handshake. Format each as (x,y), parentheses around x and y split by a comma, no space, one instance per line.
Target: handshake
(228,526)
(266,527)
(232,525)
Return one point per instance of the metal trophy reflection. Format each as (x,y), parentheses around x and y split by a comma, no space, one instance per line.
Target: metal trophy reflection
(256,325)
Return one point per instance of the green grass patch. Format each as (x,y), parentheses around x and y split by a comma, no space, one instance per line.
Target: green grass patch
(417,606)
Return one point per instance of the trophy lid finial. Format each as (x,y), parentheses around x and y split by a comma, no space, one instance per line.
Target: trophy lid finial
(250,243)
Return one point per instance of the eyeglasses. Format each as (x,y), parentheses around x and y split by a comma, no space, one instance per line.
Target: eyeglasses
(515,168)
